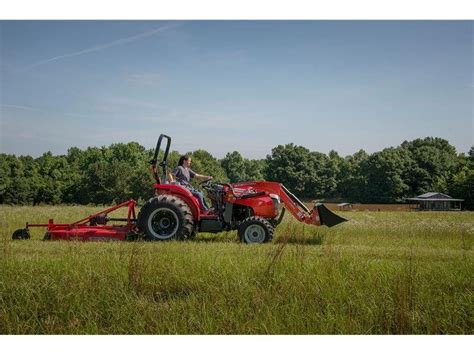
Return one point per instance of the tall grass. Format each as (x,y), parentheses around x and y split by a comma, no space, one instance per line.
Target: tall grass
(379,273)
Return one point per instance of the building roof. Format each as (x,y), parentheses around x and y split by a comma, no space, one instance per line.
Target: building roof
(434,196)
(434,199)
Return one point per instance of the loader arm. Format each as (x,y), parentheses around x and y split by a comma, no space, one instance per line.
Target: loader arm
(319,215)
(296,207)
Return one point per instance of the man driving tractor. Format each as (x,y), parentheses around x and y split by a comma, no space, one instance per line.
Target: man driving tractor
(183,175)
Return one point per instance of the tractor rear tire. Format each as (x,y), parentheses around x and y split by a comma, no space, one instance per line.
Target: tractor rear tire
(255,230)
(166,217)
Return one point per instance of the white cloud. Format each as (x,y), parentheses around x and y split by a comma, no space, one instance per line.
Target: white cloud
(20,107)
(106,45)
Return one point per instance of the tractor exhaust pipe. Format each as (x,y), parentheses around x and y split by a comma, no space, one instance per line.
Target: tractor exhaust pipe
(326,217)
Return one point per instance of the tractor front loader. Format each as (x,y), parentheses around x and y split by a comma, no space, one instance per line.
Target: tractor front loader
(253,208)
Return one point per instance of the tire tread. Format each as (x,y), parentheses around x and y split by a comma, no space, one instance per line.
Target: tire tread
(259,220)
(175,203)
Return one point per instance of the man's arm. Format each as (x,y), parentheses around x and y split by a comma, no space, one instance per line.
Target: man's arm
(202,177)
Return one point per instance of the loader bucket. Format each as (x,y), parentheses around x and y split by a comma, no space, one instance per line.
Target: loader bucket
(327,217)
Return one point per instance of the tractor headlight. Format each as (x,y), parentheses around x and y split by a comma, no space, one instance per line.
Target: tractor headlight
(276,202)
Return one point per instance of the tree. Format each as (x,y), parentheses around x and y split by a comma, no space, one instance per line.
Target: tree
(5,178)
(384,171)
(351,176)
(254,169)
(434,163)
(53,172)
(462,184)
(121,171)
(234,166)
(306,173)
(238,168)
(463,187)
(20,180)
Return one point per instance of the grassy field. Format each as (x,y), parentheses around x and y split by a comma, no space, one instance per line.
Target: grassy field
(379,273)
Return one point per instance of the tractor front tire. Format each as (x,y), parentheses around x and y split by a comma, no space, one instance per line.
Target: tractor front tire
(255,230)
(166,217)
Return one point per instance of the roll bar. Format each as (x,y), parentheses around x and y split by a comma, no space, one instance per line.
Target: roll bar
(163,163)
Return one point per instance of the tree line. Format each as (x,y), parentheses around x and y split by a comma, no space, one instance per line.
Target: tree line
(121,171)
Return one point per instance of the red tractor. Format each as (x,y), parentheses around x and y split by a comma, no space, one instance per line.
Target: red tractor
(253,208)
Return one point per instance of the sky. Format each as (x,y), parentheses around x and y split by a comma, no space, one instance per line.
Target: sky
(234,85)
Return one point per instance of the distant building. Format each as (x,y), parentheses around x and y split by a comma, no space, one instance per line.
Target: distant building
(344,206)
(435,201)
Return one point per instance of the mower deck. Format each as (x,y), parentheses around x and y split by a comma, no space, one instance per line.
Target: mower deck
(92,228)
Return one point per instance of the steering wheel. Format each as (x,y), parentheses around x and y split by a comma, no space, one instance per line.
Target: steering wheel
(205,183)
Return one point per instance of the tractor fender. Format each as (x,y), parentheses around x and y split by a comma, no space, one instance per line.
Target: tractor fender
(181,192)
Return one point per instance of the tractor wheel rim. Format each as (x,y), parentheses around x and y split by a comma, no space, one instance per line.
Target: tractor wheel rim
(163,223)
(254,234)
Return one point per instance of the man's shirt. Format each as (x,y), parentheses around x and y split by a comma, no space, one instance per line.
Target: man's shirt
(183,175)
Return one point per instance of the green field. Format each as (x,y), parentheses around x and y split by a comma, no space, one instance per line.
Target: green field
(379,273)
